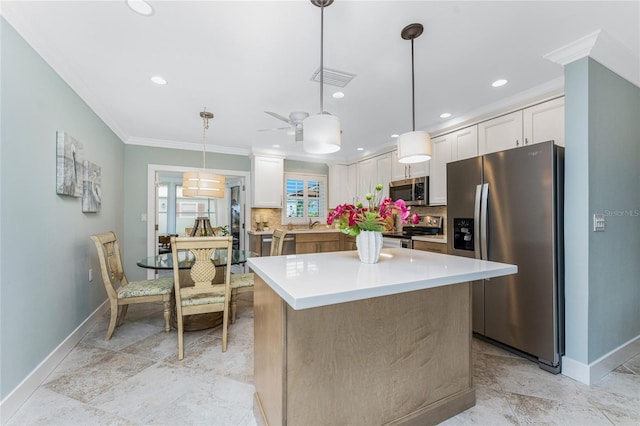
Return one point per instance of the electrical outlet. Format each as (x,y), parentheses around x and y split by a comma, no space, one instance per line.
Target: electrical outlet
(598,223)
(90,274)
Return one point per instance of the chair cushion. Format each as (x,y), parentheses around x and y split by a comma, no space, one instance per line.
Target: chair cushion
(204,299)
(242,280)
(146,288)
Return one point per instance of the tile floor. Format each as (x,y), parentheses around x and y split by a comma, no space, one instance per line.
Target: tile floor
(136,379)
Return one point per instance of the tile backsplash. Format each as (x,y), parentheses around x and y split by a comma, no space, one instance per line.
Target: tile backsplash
(273,217)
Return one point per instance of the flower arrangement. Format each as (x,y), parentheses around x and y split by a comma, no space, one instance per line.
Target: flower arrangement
(355,218)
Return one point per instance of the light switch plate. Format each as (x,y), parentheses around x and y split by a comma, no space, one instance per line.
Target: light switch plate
(598,223)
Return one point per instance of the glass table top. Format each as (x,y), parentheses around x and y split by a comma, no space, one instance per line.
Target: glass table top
(186,259)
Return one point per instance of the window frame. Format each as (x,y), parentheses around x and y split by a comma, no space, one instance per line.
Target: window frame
(306,177)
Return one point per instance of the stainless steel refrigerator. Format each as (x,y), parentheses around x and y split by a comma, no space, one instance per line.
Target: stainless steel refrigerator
(508,207)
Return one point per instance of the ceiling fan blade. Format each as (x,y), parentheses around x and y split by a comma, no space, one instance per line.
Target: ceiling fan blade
(278,116)
(272,129)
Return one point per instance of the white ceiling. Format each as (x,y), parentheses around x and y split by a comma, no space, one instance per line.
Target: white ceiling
(240,58)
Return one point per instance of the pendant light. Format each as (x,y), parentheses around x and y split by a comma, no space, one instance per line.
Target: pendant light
(321,131)
(413,147)
(203,184)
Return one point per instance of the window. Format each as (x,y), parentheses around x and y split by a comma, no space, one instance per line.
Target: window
(305,197)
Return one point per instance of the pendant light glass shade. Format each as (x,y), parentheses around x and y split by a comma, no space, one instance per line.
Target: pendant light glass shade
(202,185)
(414,147)
(321,134)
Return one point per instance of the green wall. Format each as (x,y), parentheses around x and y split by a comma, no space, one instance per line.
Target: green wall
(602,177)
(45,251)
(137,160)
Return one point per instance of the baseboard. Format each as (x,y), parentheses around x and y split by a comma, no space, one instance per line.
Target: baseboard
(592,373)
(14,400)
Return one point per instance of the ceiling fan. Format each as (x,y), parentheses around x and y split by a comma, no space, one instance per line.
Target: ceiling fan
(295,122)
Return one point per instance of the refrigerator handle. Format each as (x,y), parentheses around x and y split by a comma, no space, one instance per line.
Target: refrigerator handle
(484,221)
(476,223)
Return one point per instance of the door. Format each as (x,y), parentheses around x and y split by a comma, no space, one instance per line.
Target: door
(520,309)
(463,178)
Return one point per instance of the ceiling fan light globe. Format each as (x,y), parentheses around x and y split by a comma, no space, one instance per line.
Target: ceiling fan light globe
(322,134)
(414,147)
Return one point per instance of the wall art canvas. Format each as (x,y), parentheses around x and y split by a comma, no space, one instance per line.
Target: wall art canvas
(68,165)
(92,188)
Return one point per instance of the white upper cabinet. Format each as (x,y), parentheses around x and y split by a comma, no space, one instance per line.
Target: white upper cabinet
(267,175)
(440,156)
(501,133)
(401,171)
(544,122)
(373,171)
(342,184)
(464,143)
(535,124)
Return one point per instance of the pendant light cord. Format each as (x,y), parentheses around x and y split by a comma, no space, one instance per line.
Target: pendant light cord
(321,57)
(205,126)
(413,91)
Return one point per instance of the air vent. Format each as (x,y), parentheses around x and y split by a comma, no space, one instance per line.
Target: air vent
(333,77)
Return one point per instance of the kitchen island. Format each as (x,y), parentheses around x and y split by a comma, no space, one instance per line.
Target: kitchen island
(342,342)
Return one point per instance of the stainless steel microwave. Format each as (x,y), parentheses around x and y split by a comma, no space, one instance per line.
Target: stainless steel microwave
(415,192)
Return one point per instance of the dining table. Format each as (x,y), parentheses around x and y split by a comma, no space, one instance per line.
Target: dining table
(186,259)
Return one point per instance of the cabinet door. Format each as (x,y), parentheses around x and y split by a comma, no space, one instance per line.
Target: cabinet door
(419,169)
(352,183)
(338,188)
(398,170)
(267,174)
(441,155)
(501,133)
(464,143)
(383,172)
(544,122)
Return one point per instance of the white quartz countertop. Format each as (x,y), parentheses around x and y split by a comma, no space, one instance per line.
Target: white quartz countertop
(320,279)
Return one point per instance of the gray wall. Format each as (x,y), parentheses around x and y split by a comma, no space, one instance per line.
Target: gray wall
(137,160)
(294,166)
(602,176)
(46,251)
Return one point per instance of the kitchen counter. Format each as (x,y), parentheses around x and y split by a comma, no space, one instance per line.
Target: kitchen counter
(305,281)
(337,341)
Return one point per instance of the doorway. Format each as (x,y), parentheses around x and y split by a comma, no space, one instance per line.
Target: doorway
(170,213)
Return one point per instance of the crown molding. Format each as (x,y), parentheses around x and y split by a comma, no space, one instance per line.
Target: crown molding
(575,50)
(187,146)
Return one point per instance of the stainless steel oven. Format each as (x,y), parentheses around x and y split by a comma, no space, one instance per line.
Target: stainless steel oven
(415,192)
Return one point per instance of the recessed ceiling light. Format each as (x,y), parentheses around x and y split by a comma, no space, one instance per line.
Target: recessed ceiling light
(445,115)
(158,80)
(395,135)
(276,146)
(338,95)
(360,149)
(141,7)
(499,83)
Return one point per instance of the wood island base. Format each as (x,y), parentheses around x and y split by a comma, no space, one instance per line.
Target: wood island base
(398,359)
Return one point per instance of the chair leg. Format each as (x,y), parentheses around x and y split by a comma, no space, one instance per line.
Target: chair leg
(167,315)
(180,338)
(234,306)
(225,319)
(112,321)
(121,314)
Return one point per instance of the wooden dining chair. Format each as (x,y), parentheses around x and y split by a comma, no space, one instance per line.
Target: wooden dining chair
(243,283)
(203,296)
(121,291)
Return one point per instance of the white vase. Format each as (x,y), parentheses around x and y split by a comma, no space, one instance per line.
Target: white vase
(369,244)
